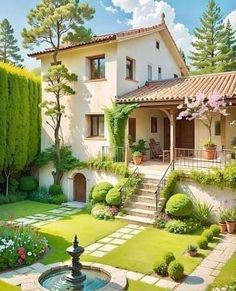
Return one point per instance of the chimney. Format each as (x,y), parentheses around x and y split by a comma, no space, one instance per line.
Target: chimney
(163,18)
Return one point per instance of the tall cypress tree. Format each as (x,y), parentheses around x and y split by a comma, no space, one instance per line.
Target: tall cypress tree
(230,48)
(208,55)
(8,45)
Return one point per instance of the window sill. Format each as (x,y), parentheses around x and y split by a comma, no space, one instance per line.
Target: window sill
(95,138)
(95,80)
(132,80)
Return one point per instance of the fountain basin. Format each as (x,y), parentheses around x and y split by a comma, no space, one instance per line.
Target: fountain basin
(99,277)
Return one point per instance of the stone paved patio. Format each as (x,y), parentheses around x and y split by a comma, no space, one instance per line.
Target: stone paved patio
(114,240)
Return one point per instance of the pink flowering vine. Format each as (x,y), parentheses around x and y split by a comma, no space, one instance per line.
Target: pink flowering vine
(203,107)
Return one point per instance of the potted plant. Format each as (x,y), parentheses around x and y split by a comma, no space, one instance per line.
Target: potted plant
(230,218)
(137,157)
(222,222)
(204,108)
(140,147)
(192,250)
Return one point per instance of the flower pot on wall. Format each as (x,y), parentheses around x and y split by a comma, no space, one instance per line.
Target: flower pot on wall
(223,227)
(230,226)
(210,152)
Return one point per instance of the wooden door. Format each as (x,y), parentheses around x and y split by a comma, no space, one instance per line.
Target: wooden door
(185,134)
(132,129)
(80,188)
(166,133)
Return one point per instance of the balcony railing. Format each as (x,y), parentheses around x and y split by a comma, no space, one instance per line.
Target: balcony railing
(117,154)
(197,158)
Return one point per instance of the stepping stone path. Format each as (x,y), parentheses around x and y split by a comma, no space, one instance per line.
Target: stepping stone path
(114,240)
(41,219)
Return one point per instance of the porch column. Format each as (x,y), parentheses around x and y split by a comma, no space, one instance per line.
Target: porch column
(223,131)
(172,133)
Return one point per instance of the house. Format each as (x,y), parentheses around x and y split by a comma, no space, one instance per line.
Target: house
(140,65)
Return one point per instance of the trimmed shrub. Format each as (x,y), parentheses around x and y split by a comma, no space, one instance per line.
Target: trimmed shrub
(202,242)
(168,258)
(186,225)
(160,267)
(57,199)
(176,270)
(4,199)
(28,183)
(100,191)
(113,197)
(55,190)
(208,234)
(179,205)
(215,229)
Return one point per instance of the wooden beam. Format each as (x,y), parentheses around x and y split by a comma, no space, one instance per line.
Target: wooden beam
(172,133)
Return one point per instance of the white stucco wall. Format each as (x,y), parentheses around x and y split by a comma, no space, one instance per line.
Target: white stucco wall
(201,132)
(92,178)
(143,50)
(218,198)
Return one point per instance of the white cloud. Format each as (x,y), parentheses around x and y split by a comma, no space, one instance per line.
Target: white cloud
(108,8)
(232,18)
(148,12)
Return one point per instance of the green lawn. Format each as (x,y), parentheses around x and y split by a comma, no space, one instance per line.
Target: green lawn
(140,286)
(6,287)
(60,233)
(140,252)
(23,208)
(227,273)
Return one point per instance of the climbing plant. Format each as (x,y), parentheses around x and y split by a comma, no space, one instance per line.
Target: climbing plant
(116,118)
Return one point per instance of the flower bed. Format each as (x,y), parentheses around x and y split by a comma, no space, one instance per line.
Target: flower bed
(20,246)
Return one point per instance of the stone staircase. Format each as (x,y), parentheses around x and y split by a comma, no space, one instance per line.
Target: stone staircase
(141,208)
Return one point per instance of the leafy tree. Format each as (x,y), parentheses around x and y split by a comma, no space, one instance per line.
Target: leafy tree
(208,55)
(55,22)
(230,48)
(8,45)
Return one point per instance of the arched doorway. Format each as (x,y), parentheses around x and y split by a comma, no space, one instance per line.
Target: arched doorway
(80,188)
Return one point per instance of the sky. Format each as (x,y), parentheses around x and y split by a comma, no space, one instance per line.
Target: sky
(182,17)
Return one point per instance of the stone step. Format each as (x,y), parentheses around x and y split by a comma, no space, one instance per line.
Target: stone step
(151,186)
(140,212)
(136,219)
(143,198)
(151,180)
(142,205)
(145,192)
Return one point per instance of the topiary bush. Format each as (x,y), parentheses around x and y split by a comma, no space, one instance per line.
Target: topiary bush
(55,190)
(57,199)
(168,258)
(28,183)
(215,229)
(179,205)
(113,197)
(100,191)
(208,234)
(202,242)
(160,268)
(176,270)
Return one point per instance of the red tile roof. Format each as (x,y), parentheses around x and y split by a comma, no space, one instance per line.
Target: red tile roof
(102,38)
(178,89)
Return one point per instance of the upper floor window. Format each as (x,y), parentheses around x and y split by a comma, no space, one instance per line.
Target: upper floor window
(176,76)
(97,67)
(159,73)
(157,44)
(96,125)
(149,73)
(129,68)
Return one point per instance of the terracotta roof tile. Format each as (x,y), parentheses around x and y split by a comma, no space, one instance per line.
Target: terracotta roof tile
(178,89)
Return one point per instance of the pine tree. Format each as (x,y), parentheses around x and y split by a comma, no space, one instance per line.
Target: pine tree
(8,45)
(208,55)
(230,48)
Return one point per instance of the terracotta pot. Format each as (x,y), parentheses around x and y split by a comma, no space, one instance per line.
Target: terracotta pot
(137,160)
(192,253)
(223,227)
(230,226)
(210,153)
(144,158)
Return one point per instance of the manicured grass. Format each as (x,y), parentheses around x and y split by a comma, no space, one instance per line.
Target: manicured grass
(143,250)
(61,233)
(227,273)
(23,208)
(6,287)
(140,286)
